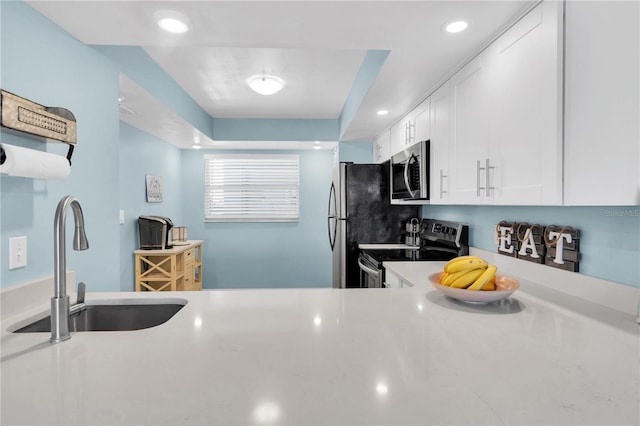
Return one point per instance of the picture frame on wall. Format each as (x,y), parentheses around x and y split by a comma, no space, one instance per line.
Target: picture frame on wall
(154,188)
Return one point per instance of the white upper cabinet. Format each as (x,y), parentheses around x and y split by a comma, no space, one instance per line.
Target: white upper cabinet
(507,117)
(469,146)
(602,153)
(440,140)
(524,77)
(421,124)
(412,129)
(382,147)
(399,132)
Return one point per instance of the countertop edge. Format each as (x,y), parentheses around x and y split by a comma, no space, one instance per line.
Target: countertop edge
(612,295)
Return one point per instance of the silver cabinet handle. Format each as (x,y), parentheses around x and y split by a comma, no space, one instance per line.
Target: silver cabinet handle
(411,134)
(368,270)
(478,187)
(442,191)
(406,133)
(488,178)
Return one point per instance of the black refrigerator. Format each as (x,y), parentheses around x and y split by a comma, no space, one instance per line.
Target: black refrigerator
(360,212)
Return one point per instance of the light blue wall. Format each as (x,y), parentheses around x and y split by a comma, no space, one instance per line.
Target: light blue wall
(143,154)
(255,129)
(610,236)
(242,255)
(356,152)
(43,63)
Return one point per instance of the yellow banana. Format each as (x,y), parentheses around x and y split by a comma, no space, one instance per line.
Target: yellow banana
(452,277)
(443,276)
(466,264)
(457,259)
(466,279)
(484,279)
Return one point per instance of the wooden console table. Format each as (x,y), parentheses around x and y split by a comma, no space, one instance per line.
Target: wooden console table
(175,269)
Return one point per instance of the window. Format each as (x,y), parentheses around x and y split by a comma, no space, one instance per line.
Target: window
(252,188)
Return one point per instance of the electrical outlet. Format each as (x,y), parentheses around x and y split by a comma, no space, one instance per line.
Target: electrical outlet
(121,217)
(17,252)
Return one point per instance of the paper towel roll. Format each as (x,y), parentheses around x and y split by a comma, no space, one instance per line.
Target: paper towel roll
(34,164)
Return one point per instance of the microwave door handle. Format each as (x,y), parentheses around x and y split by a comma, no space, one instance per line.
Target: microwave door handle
(406,176)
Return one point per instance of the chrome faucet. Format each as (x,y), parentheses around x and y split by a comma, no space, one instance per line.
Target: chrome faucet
(60,299)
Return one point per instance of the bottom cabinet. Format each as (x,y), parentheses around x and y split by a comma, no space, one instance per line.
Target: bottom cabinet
(175,269)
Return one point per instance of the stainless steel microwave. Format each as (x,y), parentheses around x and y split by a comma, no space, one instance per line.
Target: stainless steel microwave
(410,173)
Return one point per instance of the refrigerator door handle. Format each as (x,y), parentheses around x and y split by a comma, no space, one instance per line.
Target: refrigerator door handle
(332,217)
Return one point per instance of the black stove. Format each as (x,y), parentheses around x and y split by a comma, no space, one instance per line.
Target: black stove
(441,241)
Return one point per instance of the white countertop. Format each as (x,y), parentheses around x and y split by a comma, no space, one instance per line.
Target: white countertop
(339,357)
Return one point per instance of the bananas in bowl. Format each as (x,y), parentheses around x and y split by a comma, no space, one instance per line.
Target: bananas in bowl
(469,272)
(471,279)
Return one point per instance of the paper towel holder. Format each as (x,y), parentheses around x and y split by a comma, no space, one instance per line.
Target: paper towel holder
(38,121)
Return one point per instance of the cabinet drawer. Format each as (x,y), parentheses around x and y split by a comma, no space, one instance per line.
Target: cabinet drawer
(189,277)
(189,256)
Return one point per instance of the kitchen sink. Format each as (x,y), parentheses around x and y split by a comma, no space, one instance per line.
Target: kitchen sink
(115,315)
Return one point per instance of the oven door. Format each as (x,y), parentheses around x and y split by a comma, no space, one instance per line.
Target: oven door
(370,274)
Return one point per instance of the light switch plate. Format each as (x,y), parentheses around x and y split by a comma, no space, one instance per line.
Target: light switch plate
(17,252)
(121,217)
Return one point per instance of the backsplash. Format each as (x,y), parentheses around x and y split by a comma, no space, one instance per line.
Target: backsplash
(609,245)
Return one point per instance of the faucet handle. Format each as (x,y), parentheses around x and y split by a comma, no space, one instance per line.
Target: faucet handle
(82,287)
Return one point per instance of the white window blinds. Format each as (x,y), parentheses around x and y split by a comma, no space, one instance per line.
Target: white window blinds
(252,188)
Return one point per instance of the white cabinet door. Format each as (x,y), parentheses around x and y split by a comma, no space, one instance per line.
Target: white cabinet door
(382,146)
(440,114)
(602,129)
(398,136)
(469,137)
(391,280)
(413,128)
(421,125)
(524,78)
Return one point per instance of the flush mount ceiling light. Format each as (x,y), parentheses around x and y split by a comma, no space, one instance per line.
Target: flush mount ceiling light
(172,21)
(196,147)
(265,84)
(456,27)
(382,112)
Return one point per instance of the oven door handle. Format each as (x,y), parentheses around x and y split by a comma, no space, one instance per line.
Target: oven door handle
(368,270)
(406,175)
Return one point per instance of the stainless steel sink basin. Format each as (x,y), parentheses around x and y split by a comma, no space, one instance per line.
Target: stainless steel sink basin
(115,315)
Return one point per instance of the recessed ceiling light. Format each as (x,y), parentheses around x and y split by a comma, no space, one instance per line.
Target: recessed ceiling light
(172,21)
(317,147)
(456,27)
(196,147)
(382,112)
(265,84)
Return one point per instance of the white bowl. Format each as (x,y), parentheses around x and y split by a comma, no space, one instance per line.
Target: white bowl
(504,287)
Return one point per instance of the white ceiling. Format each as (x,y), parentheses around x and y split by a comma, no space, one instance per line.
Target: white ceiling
(316,46)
